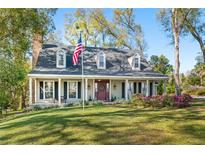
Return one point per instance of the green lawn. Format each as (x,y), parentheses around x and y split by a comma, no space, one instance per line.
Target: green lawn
(118,124)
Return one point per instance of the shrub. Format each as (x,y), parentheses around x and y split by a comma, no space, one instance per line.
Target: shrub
(37,107)
(161,101)
(182,101)
(137,100)
(98,103)
(68,104)
(80,103)
(200,92)
(195,90)
(181,104)
(167,101)
(182,98)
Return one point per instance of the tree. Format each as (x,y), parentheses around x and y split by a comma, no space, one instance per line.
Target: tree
(193,79)
(18,27)
(161,64)
(199,58)
(195,25)
(199,69)
(121,32)
(173,22)
(11,80)
(124,21)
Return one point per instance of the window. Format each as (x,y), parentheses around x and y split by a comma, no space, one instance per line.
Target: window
(61,59)
(101,60)
(72,89)
(136,62)
(48,90)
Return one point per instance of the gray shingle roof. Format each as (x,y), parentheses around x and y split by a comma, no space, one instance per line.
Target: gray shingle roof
(116,62)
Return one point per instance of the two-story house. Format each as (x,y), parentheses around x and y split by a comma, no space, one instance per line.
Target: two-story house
(109,74)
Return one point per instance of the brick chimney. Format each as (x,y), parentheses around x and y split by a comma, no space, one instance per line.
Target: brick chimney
(36,46)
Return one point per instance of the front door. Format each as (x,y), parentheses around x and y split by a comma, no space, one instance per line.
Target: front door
(102,90)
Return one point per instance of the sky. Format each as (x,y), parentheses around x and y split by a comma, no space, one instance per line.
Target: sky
(157,40)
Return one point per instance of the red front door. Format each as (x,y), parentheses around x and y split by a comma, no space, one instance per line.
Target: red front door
(102,90)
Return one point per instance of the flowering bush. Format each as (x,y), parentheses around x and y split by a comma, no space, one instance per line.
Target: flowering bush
(161,101)
(182,101)
(137,100)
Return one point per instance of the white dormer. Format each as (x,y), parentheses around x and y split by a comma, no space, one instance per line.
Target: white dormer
(135,61)
(61,59)
(101,60)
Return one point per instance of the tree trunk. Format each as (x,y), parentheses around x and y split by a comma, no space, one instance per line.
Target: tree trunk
(175,29)
(203,51)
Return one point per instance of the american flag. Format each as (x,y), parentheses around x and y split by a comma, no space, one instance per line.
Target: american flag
(77,51)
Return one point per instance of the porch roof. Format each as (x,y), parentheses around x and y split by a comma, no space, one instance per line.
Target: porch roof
(142,74)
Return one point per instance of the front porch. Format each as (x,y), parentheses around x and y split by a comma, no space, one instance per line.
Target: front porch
(65,90)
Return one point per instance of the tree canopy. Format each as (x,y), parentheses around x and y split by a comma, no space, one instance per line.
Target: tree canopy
(16,31)
(121,32)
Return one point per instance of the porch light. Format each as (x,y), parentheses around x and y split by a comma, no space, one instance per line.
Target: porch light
(114,86)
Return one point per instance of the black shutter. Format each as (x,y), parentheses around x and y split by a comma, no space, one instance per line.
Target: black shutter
(135,88)
(41,90)
(56,90)
(140,87)
(65,90)
(123,90)
(79,90)
(150,89)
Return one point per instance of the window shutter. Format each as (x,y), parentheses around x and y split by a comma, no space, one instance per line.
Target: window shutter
(135,88)
(79,90)
(123,90)
(41,90)
(140,87)
(150,89)
(56,90)
(65,90)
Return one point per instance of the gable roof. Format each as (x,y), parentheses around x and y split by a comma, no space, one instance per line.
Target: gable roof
(116,62)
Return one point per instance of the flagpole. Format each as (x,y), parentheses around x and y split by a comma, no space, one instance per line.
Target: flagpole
(83,79)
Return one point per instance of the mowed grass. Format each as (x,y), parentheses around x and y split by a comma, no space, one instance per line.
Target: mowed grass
(117,124)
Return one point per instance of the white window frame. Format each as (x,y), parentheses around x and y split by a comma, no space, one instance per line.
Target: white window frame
(64,59)
(104,60)
(133,62)
(76,89)
(53,82)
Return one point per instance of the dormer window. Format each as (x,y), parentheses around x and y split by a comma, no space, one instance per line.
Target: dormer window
(136,62)
(101,60)
(61,59)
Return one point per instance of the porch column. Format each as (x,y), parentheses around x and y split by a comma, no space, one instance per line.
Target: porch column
(59,91)
(93,89)
(35,81)
(86,89)
(165,82)
(110,92)
(126,89)
(143,89)
(30,91)
(147,88)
